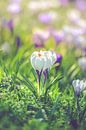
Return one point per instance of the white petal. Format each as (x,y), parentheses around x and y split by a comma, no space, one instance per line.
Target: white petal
(48,62)
(39,63)
(53,55)
(33,58)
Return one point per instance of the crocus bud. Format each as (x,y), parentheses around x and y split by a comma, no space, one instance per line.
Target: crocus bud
(59,58)
(79,86)
(18,41)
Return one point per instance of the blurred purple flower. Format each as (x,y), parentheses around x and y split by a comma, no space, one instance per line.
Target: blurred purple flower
(39,38)
(14,8)
(80,42)
(58,37)
(64,2)
(18,41)
(74,35)
(59,58)
(81,4)
(38,41)
(45,18)
(84,51)
(10,25)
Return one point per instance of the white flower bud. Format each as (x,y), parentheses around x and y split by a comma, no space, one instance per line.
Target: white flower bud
(79,86)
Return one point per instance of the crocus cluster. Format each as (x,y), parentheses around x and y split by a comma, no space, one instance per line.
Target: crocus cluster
(79,86)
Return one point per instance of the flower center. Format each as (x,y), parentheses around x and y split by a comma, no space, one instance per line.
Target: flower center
(39,54)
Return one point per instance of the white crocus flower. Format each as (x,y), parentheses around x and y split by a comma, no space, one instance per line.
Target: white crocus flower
(79,86)
(43,60)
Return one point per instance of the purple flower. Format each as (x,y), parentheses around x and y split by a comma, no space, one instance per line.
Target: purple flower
(81,4)
(84,51)
(45,18)
(59,58)
(18,41)
(40,37)
(10,25)
(58,37)
(38,41)
(64,2)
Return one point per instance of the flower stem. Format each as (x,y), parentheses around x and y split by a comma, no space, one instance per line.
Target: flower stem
(39,79)
(78,107)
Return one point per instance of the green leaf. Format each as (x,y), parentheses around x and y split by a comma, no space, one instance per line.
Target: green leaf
(56,105)
(73,71)
(34,74)
(57,78)
(29,84)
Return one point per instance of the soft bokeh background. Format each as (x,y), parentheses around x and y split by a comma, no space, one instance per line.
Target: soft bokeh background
(32,25)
